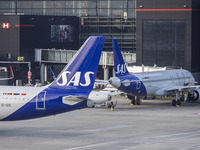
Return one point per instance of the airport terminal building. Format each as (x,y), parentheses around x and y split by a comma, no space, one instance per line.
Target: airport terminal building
(34,24)
(166,31)
(110,18)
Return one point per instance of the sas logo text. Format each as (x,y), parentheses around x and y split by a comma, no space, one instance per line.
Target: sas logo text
(75,79)
(121,68)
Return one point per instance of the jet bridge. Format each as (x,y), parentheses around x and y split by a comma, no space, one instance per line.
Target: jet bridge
(62,56)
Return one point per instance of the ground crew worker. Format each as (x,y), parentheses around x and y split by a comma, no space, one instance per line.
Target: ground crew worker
(111,106)
(185,96)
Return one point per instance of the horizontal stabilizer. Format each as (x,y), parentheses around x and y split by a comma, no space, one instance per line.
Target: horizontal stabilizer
(72,100)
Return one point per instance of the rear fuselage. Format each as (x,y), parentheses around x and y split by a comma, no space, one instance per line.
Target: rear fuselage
(18,103)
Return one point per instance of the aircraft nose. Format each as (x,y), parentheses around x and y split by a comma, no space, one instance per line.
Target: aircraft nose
(115,82)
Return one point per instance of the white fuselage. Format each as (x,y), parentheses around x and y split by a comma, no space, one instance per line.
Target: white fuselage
(152,83)
(160,80)
(14,97)
(18,103)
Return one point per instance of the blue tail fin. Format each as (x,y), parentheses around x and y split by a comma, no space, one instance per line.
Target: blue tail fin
(80,73)
(120,66)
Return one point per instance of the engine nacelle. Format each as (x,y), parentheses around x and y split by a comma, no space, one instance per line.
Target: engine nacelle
(115,81)
(98,98)
(194,95)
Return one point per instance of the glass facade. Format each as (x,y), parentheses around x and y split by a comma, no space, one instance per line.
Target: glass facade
(110,18)
(164,42)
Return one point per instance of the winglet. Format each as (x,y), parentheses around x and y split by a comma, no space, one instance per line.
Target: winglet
(120,66)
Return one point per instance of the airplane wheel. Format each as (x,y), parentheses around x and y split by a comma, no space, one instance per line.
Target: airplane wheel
(179,102)
(130,97)
(138,101)
(133,101)
(173,102)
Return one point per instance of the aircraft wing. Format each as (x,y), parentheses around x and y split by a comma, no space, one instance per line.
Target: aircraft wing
(174,89)
(112,93)
(182,88)
(101,82)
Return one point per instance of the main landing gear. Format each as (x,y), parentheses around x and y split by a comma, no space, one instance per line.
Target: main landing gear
(138,100)
(135,100)
(177,102)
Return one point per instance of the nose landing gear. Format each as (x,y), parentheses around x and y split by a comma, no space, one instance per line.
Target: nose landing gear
(177,102)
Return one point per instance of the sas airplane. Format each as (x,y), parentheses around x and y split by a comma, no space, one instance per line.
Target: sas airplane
(152,83)
(71,90)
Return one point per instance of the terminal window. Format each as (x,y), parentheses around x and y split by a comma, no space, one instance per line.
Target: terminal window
(62,33)
(164,39)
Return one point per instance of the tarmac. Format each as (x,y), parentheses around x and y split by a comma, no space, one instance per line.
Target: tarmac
(153,125)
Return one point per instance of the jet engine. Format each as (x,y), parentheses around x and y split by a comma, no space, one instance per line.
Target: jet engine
(98,98)
(194,95)
(115,81)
